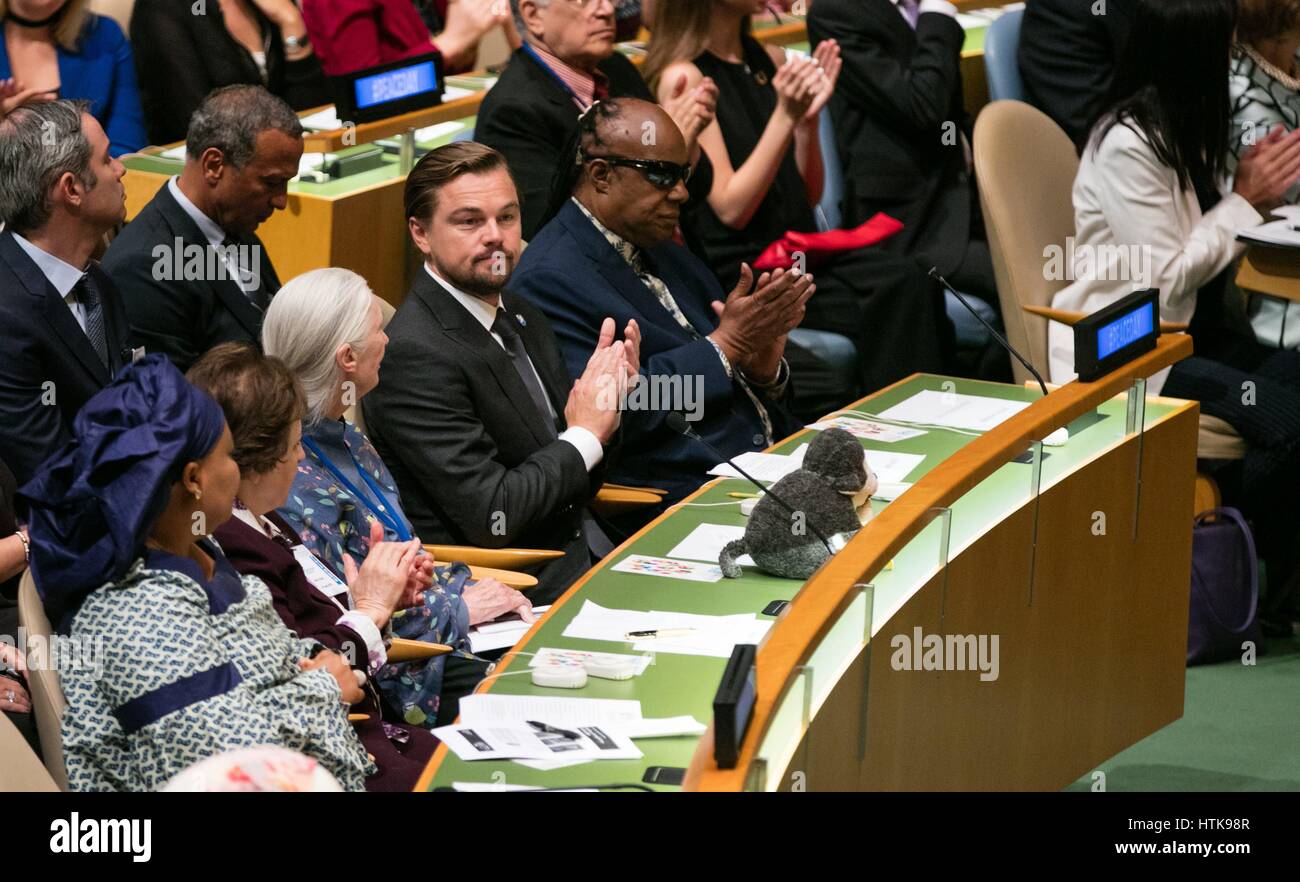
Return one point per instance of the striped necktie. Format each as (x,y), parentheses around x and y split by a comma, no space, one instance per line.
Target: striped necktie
(88,296)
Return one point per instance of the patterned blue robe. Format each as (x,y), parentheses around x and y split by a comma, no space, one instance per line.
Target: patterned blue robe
(192,668)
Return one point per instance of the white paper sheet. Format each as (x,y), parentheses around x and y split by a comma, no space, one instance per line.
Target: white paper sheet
(716,642)
(496,741)
(434,132)
(869,430)
(1279,233)
(705,543)
(501,633)
(492,708)
(763,466)
(667,568)
(889,491)
(975,412)
(551,765)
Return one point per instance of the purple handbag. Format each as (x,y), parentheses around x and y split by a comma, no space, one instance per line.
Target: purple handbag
(1225,588)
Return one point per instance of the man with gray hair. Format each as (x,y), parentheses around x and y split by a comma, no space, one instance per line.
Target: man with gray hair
(191,268)
(566,64)
(65,331)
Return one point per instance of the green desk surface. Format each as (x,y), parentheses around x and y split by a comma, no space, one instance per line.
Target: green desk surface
(684,684)
(331,189)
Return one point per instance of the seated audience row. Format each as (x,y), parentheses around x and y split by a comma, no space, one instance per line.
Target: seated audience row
(1153,179)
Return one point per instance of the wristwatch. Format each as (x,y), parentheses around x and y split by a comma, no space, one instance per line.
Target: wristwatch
(293,44)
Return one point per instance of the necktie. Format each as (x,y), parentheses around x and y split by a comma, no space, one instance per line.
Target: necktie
(600,92)
(911,10)
(232,251)
(636,260)
(88,296)
(504,327)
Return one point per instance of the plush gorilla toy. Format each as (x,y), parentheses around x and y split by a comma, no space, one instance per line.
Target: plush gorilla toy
(832,491)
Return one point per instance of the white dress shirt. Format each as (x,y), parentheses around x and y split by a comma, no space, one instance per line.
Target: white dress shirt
(587,444)
(61,274)
(1125,198)
(216,236)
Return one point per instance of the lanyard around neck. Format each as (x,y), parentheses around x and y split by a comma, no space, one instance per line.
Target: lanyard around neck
(376,506)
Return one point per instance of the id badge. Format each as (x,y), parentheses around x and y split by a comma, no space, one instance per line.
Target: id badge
(320,576)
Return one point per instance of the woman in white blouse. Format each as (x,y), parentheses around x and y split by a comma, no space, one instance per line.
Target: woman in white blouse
(1151,212)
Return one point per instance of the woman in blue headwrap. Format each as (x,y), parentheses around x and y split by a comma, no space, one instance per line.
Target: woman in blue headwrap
(186,659)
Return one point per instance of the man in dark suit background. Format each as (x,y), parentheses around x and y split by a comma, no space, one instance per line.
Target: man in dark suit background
(610,252)
(191,269)
(65,332)
(900,129)
(489,440)
(1068,53)
(566,63)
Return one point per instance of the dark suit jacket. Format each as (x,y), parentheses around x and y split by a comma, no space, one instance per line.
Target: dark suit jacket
(471,455)
(577,278)
(898,121)
(43,343)
(310,614)
(529,116)
(182,318)
(1068,56)
(180,57)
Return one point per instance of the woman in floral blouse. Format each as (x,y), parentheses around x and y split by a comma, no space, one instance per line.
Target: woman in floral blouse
(327,326)
(1264,83)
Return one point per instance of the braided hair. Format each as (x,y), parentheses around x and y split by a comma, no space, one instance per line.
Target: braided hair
(585,138)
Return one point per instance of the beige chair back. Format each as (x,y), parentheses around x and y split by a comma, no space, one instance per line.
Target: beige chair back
(48,703)
(20,767)
(1025,165)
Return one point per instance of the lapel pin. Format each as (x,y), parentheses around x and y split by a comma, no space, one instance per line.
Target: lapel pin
(519,318)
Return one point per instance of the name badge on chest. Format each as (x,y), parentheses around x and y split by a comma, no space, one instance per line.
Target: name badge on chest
(321,577)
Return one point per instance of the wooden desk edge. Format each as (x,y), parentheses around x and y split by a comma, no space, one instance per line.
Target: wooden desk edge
(435,761)
(818,603)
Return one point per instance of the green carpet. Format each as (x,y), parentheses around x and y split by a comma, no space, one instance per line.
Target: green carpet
(1240,730)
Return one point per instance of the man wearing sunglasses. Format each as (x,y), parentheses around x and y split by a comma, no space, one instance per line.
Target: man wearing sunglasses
(609,251)
(566,64)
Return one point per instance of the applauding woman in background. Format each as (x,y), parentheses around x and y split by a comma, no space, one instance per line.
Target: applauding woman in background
(767,176)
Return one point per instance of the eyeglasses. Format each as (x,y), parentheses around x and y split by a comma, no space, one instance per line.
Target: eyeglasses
(586,5)
(661,174)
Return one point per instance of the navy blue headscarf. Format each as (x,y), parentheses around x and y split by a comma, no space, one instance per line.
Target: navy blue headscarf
(95,501)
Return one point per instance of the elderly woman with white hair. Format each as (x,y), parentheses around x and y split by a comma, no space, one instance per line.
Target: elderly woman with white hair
(327,326)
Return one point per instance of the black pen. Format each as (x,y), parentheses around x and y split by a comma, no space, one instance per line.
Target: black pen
(552,730)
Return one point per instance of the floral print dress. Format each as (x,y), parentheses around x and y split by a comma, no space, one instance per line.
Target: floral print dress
(332,522)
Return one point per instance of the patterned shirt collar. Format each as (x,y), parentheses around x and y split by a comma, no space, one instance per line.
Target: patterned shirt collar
(582,85)
(629,252)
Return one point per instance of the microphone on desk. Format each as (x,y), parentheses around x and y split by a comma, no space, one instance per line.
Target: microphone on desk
(678,424)
(1060,435)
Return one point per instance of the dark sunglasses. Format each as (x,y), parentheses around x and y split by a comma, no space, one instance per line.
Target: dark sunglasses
(661,174)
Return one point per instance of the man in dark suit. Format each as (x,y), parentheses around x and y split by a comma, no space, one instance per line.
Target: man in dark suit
(900,130)
(65,332)
(192,271)
(1068,53)
(566,63)
(489,440)
(610,252)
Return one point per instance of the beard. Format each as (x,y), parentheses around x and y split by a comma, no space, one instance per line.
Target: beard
(478,280)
